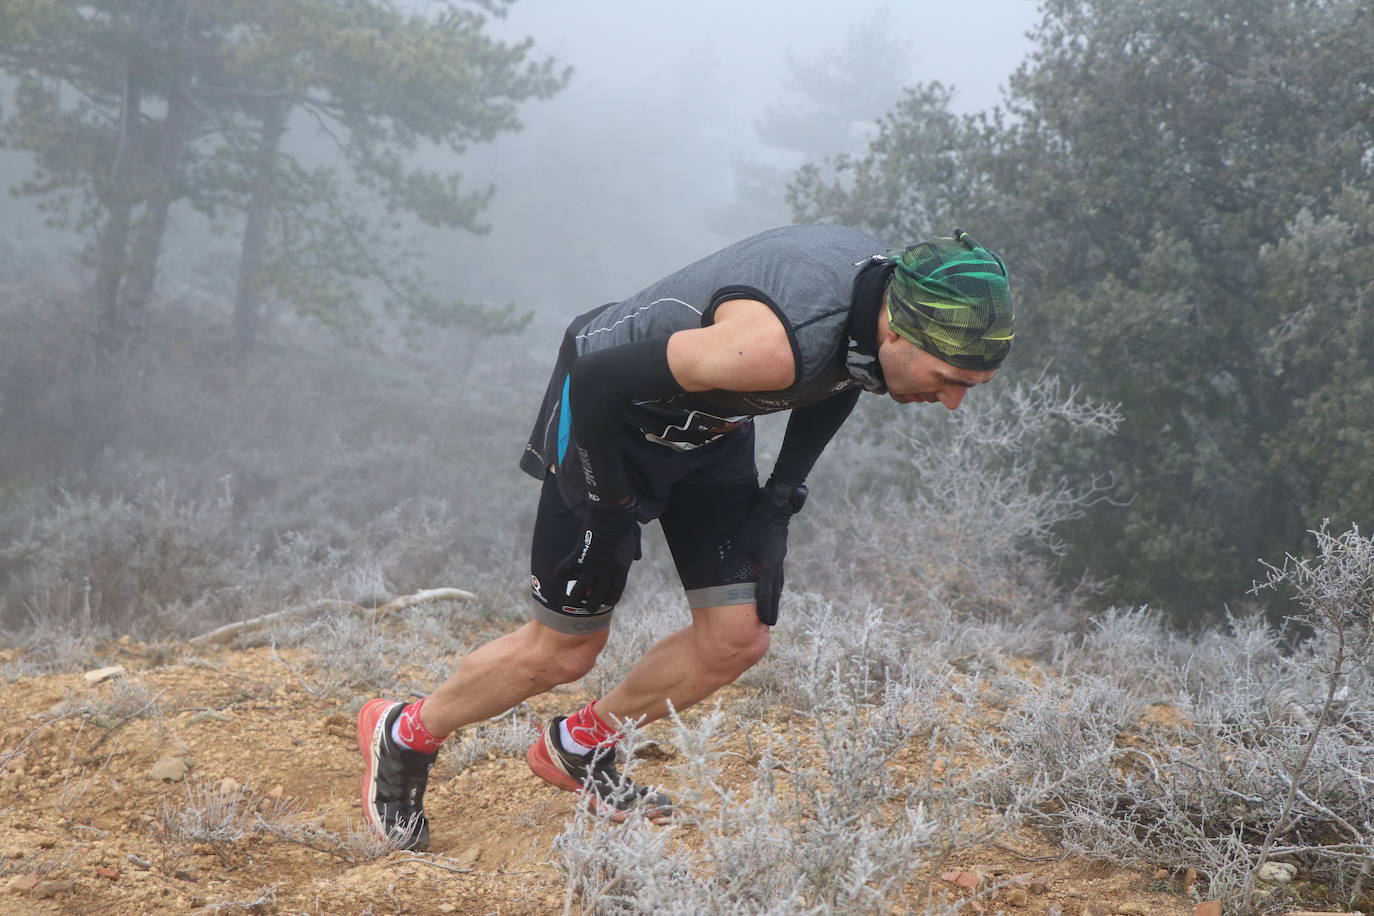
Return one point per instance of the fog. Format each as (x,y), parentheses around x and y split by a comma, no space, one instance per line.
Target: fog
(635,169)
(280,280)
(652,155)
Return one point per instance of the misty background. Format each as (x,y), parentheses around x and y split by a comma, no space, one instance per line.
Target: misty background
(332,403)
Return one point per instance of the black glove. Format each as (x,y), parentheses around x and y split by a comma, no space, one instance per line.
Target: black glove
(763,540)
(593,575)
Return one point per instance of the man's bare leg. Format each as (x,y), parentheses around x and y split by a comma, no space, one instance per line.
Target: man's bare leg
(687,666)
(512,668)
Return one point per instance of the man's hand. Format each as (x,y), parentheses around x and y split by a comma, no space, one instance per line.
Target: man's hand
(593,575)
(763,540)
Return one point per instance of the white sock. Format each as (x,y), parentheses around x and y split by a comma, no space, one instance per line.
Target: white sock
(566,739)
(396,735)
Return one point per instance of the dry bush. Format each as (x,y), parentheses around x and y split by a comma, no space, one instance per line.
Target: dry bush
(953,509)
(825,820)
(219,816)
(1270,757)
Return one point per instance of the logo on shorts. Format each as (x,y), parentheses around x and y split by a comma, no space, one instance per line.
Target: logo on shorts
(534,587)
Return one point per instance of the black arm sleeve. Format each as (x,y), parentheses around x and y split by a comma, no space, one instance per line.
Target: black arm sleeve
(809,431)
(602,384)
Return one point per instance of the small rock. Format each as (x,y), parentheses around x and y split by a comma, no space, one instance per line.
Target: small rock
(1039,888)
(447,908)
(966,880)
(1277,872)
(469,857)
(170,769)
(276,792)
(22,884)
(1016,896)
(1098,908)
(46,889)
(103,674)
(228,786)
(103,872)
(1208,908)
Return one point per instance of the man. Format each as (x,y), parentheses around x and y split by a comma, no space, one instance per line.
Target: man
(648,415)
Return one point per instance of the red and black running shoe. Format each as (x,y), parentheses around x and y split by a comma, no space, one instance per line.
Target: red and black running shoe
(394,779)
(594,776)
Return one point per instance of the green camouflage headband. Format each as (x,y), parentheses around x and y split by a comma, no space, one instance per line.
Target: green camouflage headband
(950,297)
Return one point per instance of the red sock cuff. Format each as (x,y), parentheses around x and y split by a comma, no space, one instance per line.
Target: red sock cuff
(412,731)
(588,729)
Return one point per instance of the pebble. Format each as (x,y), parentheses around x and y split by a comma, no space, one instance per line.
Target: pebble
(103,674)
(170,769)
(47,889)
(22,884)
(1277,872)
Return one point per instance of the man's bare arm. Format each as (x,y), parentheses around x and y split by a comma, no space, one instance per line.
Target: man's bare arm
(746,349)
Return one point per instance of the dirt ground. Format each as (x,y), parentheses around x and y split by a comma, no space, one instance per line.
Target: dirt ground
(83,828)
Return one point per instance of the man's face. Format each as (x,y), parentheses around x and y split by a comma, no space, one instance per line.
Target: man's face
(915,376)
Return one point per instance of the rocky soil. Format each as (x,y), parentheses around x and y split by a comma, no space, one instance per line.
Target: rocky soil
(213,781)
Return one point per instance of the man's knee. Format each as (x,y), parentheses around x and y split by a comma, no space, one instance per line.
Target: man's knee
(558,658)
(733,649)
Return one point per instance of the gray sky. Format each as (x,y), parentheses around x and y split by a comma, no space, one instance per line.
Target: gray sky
(972,46)
(635,168)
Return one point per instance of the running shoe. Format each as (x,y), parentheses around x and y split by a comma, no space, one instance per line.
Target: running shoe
(394,779)
(594,776)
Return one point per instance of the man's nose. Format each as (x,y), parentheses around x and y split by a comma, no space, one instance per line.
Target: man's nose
(952,396)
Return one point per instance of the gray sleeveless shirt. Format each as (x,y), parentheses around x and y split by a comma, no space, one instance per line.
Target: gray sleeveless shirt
(805,274)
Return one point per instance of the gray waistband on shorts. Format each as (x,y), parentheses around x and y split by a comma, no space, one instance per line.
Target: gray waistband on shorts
(721,595)
(571,624)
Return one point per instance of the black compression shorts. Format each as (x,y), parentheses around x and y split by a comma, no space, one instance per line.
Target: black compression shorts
(700,496)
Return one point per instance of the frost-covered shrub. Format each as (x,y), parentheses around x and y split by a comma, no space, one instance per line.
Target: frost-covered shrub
(1264,752)
(954,508)
(800,838)
(131,556)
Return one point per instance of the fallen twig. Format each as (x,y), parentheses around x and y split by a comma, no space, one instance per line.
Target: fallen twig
(220,634)
(421,597)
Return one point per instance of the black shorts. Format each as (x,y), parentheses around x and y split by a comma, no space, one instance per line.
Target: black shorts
(700,497)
